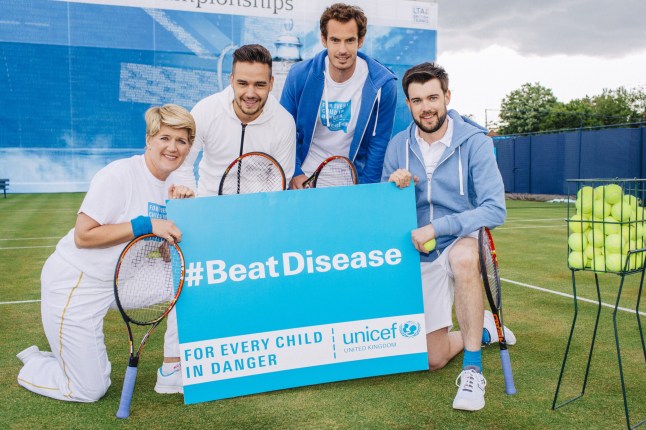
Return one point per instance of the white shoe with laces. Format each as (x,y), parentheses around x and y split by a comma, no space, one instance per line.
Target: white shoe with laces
(471,391)
(490,326)
(169,383)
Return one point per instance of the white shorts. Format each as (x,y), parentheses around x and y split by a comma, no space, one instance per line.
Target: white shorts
(438,291)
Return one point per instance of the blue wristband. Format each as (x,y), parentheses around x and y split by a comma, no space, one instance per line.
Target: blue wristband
(141,225)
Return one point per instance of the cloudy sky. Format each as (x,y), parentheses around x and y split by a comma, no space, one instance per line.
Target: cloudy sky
(575,47)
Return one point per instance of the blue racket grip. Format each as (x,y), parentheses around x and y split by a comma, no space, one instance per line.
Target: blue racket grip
(510,388)
(126,392)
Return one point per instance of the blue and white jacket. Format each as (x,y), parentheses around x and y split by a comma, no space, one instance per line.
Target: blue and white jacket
(302,95)
(465,192)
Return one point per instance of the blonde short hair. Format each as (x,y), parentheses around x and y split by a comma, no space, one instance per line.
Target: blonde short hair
(172,116)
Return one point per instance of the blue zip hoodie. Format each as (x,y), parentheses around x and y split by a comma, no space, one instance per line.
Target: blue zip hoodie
(466,191)
(302,95)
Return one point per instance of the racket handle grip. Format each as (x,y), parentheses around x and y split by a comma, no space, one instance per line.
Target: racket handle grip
(126,392)
(510,387)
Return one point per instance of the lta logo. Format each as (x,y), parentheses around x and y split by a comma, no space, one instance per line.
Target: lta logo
(409,329)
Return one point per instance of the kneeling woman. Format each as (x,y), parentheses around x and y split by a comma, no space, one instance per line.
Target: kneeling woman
(127,198)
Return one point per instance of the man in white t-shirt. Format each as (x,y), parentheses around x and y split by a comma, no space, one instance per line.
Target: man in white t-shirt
(343,101)
(242,118)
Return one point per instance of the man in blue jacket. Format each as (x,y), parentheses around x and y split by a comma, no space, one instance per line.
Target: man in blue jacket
(458,189)
(343,101)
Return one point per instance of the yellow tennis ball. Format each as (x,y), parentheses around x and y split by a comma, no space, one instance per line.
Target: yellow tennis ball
(430,245)
(636,261)
(588,252)
(616,244)
(600,209)
(614,262)
(599,192)
(631,200)
(611,226)
(599,263)
(613,194)
(621,211)
(578,223)
(595,237)
(584,200)
(576,260)
(577,241)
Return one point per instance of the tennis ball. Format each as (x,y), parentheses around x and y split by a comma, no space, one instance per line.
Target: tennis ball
(599,263)
(430,245)
(614,262)
(639,213)
(595,237)
(577,241)
(588,252)
(616,244)
(601,209)
(613,194)
(584,200)
(599,192)
(621,211)
(611,226)
(578,224)
(640,230)
(630,199)
(576,260)
(636,261)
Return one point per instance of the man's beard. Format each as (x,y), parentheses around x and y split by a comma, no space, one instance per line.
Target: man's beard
(440,123)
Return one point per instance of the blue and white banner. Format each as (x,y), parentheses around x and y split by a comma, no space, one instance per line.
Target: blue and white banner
(297,288)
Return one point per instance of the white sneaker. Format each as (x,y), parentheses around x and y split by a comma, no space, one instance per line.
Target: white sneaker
(170,383)
(490,326)
(26,354)
(471,391)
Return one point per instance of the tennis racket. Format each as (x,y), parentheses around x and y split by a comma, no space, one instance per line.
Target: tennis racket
(334,171)
(147,282)
(253,172)
(489,269)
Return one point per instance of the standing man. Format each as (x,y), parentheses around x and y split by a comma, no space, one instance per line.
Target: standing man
(242,118)
(458,190)
(342,100)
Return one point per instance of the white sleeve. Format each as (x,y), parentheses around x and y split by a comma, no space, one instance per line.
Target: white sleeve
(107,199)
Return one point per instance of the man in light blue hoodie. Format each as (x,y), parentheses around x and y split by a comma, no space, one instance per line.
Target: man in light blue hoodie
(343,101)
(458,189)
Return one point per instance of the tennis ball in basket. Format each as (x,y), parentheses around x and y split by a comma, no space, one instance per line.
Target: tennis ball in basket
(584,200)
(613,194)
(599,263)
(578,223)
(615,244)
(577,241)
(576,260)
(636,261)
(631,200)
(639,213)
(430,245)
(595,237)
(588,252)
(639,229)
(614,262)
(621,211)
(611,226)
(601,209)
(599,192)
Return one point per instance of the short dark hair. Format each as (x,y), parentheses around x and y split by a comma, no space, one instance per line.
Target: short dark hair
(343,13)
(252,54)
(423,73)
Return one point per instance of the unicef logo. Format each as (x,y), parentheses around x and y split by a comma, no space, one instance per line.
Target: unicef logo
(409,329)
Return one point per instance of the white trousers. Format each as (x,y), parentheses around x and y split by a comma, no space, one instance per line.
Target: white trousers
(73,306)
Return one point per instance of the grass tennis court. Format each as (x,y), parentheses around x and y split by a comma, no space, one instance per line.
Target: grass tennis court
(532,251)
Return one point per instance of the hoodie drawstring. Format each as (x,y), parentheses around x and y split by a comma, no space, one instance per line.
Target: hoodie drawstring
(460,170)
(327,108)
(374,131)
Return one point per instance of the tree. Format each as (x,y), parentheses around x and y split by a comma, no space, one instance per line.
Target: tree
(524,110)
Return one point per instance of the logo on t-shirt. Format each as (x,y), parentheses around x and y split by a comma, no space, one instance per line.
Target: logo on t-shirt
(340,115)
(156,211)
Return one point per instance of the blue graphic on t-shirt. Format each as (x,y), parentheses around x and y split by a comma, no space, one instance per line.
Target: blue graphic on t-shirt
(340,114)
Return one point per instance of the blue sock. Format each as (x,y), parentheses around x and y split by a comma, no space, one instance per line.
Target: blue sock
(486,337)
(472,359)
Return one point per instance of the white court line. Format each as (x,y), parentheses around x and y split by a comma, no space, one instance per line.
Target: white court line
(531,226)
(583,299)
(32,238)
(26,247)
(19,302)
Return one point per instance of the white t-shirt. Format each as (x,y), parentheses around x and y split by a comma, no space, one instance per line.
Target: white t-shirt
(432,152)
(121,191)
(337,118)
